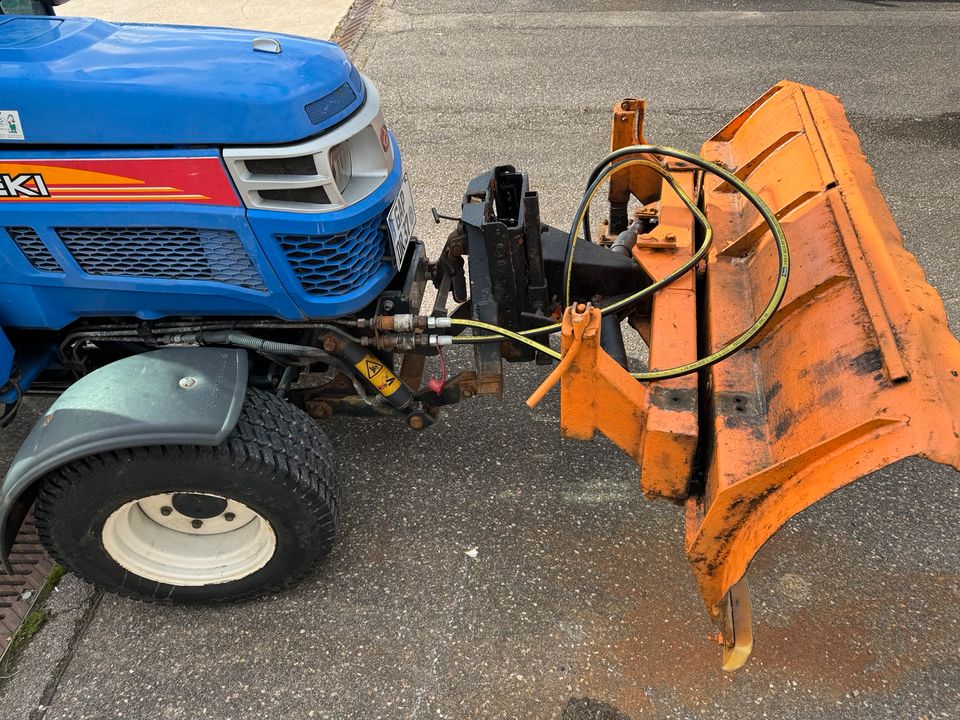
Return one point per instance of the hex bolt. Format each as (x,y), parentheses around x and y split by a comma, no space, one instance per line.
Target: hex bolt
(319,409)
(387,305)
(229,517)
(330,344)
(187,382)
(197,524)
(166,510)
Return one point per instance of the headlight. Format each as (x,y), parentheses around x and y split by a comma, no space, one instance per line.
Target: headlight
(341,165)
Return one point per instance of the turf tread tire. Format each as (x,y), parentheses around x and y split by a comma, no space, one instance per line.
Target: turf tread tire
(273,442)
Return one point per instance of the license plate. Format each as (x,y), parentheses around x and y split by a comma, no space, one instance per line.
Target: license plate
(400,221)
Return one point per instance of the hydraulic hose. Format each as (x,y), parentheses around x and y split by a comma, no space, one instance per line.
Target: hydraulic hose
(502,334)
(634,297)
(783,257)
(232,337)
(604,169)
(371,368)
(595,183)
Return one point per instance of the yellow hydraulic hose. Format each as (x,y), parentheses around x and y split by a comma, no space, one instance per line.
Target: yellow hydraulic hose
(502,334)
(585,206)
(601,172)
(629,299)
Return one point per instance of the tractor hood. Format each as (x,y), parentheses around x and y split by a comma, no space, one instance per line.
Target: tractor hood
(78,81)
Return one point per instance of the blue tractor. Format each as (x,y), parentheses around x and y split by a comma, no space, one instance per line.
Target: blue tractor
(182,212)
(207,242)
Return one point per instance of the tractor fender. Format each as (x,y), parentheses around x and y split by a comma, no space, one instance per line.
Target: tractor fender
(174,396)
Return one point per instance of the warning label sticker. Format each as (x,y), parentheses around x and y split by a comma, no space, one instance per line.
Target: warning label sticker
(10,127)
(379,375)
(373,368)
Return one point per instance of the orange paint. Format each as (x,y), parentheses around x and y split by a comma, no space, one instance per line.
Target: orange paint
(855,371)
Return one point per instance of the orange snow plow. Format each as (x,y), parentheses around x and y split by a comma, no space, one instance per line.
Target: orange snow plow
(854,370)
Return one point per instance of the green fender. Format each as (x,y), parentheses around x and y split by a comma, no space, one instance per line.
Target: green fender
(174,396)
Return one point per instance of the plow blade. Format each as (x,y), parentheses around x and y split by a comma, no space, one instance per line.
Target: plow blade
(856,370)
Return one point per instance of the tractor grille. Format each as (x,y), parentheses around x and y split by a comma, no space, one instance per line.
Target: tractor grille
(167,253)
(34,249)
(336,264)
(334,103)
(299,165)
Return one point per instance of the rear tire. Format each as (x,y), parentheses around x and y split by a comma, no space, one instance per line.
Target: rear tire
(191,523)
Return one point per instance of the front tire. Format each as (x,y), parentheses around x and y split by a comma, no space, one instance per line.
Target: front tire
(192,523)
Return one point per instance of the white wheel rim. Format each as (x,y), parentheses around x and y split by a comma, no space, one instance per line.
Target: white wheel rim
(152,539)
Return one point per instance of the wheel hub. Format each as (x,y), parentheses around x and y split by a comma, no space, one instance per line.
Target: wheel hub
(195,505)
(189,538)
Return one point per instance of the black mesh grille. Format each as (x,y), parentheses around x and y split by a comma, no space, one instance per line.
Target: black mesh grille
(34,249)
(334,103)
(168,253)
(314,195)
(301,165)
(336,264)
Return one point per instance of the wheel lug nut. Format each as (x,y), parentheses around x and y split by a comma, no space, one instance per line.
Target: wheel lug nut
(197,524)
(229,517)
(166,510)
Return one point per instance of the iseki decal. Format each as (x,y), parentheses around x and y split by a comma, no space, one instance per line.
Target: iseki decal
(30,186)
(201,180)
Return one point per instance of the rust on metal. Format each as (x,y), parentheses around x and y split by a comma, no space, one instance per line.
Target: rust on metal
(627,129)
(19,591)
(597,394)
(856,370)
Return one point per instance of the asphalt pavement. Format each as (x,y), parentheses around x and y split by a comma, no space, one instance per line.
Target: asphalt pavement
(579,604)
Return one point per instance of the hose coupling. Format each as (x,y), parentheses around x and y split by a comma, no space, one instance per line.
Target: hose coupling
(403,323)
(405,341)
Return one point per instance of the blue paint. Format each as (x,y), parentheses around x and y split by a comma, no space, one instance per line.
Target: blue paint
(6,359)
(33,299)
(29,365)
(149,91)
(81,81)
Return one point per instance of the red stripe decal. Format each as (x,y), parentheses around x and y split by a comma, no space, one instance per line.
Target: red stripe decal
(197,180)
